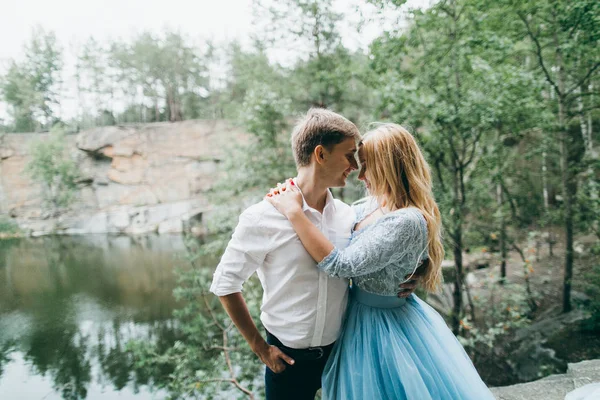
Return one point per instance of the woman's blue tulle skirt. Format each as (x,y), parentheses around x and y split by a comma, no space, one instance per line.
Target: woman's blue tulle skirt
(392,348)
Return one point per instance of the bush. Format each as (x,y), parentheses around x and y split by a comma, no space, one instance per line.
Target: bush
(592,289)
(8,226)
(52,166)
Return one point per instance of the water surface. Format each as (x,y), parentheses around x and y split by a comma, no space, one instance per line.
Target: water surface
(68,305)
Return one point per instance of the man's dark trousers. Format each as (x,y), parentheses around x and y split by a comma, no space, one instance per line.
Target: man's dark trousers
(301,380)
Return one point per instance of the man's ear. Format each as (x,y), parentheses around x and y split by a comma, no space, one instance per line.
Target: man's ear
(319,154)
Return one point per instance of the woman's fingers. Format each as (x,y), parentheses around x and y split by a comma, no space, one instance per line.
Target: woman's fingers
(291,186)
(288,186)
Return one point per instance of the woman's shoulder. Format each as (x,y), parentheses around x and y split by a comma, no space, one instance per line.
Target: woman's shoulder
(408,215)
(363,207)
(405,221)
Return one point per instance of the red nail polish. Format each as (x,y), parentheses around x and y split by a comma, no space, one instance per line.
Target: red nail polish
(292,182)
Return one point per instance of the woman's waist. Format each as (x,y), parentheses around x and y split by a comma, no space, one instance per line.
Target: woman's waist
(375,300)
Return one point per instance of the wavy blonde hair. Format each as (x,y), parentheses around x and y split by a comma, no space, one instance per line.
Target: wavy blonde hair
(400,177)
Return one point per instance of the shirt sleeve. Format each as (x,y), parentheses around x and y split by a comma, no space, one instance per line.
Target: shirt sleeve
(245,252)
(391,240)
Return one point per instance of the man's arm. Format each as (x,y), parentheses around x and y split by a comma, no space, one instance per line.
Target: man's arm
(244,254)
(272,356)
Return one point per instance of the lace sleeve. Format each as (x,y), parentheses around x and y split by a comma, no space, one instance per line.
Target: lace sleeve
(389,240)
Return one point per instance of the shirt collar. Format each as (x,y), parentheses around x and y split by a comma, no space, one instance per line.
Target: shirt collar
(329,200)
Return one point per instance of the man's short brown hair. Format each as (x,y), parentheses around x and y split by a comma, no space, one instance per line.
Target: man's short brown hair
(320,127)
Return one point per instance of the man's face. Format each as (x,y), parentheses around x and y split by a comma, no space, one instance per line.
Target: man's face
(339,162)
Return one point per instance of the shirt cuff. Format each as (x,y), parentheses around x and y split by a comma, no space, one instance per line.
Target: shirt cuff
(328,263)
(224,291)
(224,287)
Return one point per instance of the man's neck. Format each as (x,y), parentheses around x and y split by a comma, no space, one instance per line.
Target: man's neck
(314,192)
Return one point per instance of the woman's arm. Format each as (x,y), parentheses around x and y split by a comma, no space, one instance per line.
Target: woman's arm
(313,240)
(399,235)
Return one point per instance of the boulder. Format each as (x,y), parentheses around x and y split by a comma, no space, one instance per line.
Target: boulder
(553,387)
(93,140)
(531,355)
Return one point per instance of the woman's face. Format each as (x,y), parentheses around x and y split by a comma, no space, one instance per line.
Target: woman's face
(363,175)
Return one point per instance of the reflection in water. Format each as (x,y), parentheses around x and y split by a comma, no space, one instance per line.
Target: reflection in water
(68,305)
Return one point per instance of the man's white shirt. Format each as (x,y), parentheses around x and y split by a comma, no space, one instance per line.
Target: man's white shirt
(302,306)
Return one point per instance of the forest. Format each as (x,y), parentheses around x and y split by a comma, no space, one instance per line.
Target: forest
(503,97)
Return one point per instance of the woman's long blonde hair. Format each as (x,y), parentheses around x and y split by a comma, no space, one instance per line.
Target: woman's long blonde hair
(400,177)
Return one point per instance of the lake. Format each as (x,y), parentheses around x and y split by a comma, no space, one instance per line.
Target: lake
(68,305)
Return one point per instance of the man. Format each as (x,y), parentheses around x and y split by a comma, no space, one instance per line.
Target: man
(302,307)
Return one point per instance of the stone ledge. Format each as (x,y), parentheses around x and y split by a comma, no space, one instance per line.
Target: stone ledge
(553,387)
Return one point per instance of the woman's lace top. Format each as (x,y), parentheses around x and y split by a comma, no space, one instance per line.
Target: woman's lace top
(381,254)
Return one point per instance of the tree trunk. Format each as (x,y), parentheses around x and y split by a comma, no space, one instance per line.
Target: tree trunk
(156,110)
(567,206)
(566,177)
(502,238)
(458,264)
(545,177)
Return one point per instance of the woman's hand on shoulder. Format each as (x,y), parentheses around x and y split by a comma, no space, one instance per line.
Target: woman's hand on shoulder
(286,198)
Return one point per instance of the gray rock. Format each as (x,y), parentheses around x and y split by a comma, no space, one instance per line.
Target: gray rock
(551,323)
(165,167)
(95,139)
(119,219)
(96,223)
(531,355)
(171,226)
(585,370)
(579,297)
(544,389)
(553,387)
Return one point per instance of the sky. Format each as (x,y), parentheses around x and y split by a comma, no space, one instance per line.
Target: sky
(74,21)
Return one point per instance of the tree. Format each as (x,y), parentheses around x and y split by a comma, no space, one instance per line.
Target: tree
(96,82)
(325,73)
(19,93)
(165,69)
(563,42)
(247,71)
(52,166)
(432,79)
(30,87)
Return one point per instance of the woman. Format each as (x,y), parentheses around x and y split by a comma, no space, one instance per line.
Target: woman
(390,347)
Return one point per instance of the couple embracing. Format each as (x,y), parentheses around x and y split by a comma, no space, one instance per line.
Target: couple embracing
(375,339)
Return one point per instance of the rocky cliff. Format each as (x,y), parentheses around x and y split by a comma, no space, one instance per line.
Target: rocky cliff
(135,179)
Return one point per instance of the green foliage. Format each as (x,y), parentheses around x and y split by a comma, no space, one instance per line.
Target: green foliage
(8,226)
(30,87)
(254,167)
(53,167)
(505,310)
(502,96)
(96,82)
(210,352)
(166,68)
(326,73)
(592,289)
(212,359)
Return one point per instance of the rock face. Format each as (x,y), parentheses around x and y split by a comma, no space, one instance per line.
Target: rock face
(135,179)
(553,387)
(531,343)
